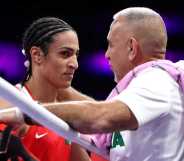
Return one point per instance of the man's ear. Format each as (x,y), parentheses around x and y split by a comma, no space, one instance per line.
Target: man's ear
(36,55)
(133,48)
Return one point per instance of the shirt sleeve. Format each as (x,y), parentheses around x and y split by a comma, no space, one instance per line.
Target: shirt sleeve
(148,94)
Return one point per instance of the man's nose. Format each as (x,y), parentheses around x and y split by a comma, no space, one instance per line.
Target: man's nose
(107,55)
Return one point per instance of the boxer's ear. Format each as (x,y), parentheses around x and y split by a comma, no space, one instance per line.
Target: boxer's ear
(36,55)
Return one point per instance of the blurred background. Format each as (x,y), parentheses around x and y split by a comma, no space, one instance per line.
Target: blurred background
(91,20)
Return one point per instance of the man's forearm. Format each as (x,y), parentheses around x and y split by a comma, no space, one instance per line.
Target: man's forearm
(78,118)
(95,116)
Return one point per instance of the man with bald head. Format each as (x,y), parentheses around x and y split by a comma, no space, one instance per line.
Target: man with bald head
(145,117)
(136,35)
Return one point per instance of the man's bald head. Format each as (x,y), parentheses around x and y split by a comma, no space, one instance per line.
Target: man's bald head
(147,26)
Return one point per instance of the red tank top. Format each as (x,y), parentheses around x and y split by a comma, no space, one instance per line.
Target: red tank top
(45,144)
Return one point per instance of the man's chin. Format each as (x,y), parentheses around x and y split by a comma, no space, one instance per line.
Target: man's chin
(115,79)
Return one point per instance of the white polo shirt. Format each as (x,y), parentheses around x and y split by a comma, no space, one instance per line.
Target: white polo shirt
(157,102)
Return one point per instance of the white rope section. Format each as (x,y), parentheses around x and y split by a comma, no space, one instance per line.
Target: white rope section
(44,117)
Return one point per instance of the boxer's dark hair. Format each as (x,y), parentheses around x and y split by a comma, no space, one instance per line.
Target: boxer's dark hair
(40,33)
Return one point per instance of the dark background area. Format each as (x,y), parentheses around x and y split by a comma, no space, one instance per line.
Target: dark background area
(91,19)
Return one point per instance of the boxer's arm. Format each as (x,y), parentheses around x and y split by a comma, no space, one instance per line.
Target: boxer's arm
(11,116)
(4,104)
(70,93)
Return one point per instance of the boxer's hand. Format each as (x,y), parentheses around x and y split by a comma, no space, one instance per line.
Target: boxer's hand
(11,116)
